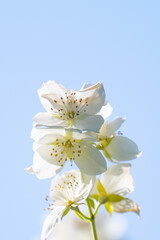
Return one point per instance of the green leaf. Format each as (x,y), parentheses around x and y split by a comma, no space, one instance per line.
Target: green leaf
(115,198)
(108,207)
(91,202)
(101,189)
(65,212)
(95,196)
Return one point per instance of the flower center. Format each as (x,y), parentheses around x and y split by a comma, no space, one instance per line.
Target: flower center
(68,187)
(71,106)
(64,149)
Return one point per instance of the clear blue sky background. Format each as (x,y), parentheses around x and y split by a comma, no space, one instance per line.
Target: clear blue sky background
(116,42)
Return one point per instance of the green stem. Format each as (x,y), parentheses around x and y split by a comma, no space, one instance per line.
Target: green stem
(81,215)
(92,221)
(95,213)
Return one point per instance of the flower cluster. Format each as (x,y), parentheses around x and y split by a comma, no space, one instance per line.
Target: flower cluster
(75,128)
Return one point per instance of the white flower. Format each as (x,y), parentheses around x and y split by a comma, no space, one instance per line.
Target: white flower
(115,184)
(54,146)
(116,148)
(76,109)
(70,189)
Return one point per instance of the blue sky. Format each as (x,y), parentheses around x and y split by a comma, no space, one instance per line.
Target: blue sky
(72,42)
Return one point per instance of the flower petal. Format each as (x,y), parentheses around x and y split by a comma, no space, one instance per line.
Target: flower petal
(51,220)
(70,187)
(48,119)
(53,154)
(47,135)
(57,102)
(58,190)
(118,180)
(106,110)
(51,87)
(88,122)
(94,189)
(85,85)
(43,169)
(108,129)
(125,205)
(82,135)
(90,161)
(122,149)
(95,97)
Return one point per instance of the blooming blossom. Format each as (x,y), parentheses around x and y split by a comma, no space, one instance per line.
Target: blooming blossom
(116,147)
(69,190)
(55,146)
(83,109)
(113,187)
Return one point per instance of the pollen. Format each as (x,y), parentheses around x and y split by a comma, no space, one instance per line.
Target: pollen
(56,155)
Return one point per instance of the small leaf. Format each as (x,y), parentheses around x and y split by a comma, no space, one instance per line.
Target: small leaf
(95,196)
(91,202)
(65,212)
(115,198)
(108,207)
(101,189)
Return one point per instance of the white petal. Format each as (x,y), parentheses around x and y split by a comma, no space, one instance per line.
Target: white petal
(118,180)
(51,220)
(86,179)
(90,160)
(92,123)
(85,85)
(48,119)
(43,169)
(108,129)
(82,135)
(58,194)
(51,87)
(70,187)
(94,189)
(95,97)
(41,134)
(106,110)
(53,154)
(122,149)
(57,102)
(125,205)
(88,184)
